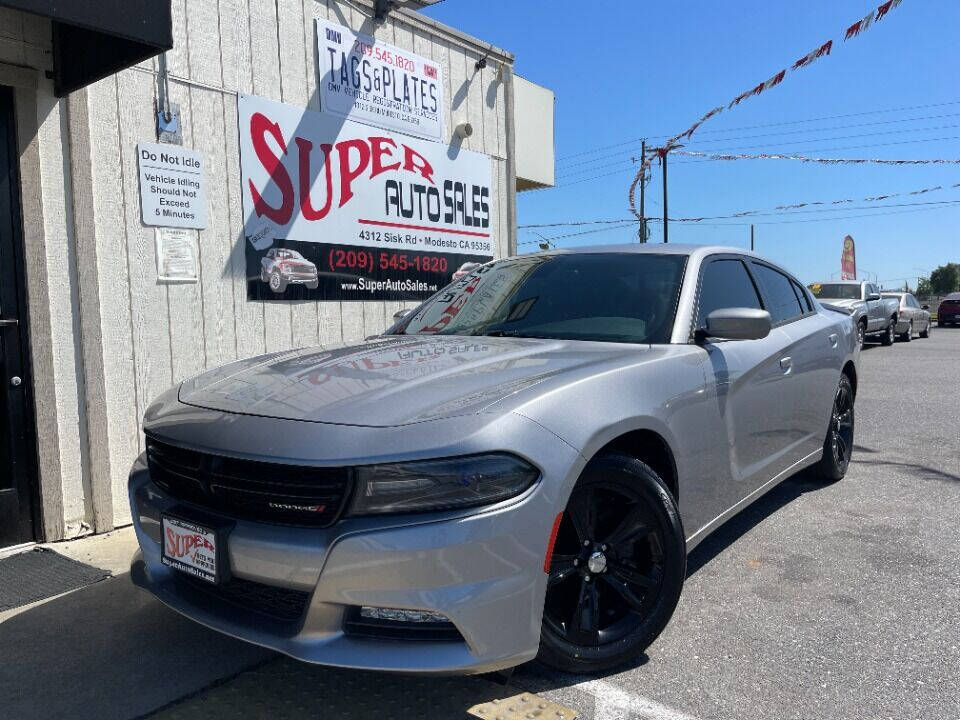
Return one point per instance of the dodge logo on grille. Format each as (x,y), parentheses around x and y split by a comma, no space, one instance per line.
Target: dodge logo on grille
(297,508)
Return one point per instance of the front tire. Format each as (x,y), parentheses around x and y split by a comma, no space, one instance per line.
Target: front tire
(617,568)
(277,283)
(890,334)
(838,445)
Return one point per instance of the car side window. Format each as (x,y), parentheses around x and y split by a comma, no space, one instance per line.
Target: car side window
(802,296)
(782,301)
(725,284)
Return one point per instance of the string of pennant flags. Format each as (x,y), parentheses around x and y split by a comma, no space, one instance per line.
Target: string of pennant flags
(820,51)
(818,160)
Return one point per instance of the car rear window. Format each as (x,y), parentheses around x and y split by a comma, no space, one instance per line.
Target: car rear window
(778,291)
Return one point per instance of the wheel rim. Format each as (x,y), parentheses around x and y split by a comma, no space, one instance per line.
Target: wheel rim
(607,568)
(274,282)
(841,427)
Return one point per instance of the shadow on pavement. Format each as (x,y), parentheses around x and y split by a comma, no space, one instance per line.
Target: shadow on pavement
(751,516)
(109,651)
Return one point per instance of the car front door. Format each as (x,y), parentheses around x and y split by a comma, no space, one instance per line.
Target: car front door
(747,381)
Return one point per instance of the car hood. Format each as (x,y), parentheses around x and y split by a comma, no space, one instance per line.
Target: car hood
(396,380)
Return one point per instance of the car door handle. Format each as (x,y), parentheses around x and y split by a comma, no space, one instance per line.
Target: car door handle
(833,339)
(786,364)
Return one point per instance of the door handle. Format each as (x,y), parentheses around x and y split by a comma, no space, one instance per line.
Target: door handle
(9,323)
(786,364)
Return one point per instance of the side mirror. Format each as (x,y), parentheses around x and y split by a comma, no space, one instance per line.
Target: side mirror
(873,296)
(401,314)
(737,324)
(925,307)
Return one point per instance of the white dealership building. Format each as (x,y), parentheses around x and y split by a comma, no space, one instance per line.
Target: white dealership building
(186,182)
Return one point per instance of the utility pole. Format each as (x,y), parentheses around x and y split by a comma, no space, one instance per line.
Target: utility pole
(751,237)
(663,161)
(643,181)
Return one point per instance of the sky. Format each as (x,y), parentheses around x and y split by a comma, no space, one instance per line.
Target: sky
(624,70)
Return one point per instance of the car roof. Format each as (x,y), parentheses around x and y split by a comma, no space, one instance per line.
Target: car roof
(695,251)
(952,296)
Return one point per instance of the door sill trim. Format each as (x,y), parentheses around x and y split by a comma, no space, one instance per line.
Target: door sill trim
(702,533)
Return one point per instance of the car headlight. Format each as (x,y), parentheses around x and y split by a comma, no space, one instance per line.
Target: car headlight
(440,484)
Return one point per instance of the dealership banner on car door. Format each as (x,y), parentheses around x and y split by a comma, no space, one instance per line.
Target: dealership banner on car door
(372,82)
(338,210)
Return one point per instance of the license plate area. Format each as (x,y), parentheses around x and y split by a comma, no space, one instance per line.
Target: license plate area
(194,548)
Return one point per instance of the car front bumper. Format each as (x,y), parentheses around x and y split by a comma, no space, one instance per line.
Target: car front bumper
(483,570)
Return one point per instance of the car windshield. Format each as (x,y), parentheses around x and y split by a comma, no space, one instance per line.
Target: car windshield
(837,291)
(611,297)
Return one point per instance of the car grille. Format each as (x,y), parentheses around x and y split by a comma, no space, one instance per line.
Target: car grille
(248,489)
(276,602)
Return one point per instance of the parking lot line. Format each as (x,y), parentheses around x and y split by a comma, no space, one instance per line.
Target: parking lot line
(613,703)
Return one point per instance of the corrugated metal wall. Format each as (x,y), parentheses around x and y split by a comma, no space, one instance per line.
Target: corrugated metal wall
(140,337)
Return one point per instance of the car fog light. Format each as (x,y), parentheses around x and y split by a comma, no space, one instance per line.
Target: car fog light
(416,616)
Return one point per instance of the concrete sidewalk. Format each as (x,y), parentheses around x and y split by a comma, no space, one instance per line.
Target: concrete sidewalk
(108,650)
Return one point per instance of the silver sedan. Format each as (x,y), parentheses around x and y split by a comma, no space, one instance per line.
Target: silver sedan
(912,317)
(516,469)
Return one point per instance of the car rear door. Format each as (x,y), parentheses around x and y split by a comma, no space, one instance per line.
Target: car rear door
(797,364)
(746,380)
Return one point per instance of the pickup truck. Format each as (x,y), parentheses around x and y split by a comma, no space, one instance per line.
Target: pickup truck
(873,314)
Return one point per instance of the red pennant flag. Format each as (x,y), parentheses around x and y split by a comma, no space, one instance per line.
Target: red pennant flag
(853,30)
(885,8)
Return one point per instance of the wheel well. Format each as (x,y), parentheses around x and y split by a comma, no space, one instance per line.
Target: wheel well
(851,372)
(647,446)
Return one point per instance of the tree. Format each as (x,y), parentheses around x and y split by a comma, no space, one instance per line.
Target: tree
(945,279)
(923,287)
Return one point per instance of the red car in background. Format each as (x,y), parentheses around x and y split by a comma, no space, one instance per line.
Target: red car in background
(948,313)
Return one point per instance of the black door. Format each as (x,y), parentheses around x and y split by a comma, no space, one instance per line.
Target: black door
(17,466)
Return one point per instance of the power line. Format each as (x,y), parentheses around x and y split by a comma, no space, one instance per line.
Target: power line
(766,125)
(788,132)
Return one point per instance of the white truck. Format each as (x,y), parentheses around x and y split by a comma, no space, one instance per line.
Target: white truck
(873,314)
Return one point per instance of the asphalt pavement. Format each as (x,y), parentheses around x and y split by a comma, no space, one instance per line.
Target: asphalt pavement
(819,601)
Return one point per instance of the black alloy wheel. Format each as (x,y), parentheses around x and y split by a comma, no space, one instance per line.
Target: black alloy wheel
(838,446)
(617,568)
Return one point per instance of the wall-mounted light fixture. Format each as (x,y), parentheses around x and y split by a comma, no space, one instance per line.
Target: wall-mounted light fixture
(481,63)
(463,130)
(382,7)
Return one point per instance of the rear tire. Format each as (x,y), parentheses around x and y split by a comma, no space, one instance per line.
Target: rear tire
(838,445)
(617,568)
(890,334)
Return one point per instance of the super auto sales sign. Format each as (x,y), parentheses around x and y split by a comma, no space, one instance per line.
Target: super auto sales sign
(335,209)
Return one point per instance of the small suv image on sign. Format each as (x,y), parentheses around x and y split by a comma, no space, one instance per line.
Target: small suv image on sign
(281,267)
